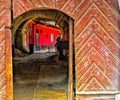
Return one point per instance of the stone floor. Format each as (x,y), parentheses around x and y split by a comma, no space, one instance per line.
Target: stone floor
(39,70)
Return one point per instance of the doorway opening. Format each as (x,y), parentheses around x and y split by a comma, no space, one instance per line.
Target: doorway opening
(43,55)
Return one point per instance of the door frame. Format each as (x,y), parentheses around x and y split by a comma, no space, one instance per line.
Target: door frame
(71,60)
(9,66)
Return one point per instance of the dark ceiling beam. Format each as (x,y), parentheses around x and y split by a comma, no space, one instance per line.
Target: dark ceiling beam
(59,20)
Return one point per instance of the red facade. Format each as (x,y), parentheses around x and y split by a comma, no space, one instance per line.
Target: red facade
(44,34)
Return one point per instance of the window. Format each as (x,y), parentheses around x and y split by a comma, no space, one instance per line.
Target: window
(52,37)
(119,3)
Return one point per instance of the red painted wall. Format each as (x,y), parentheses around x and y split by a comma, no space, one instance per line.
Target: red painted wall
(45,33)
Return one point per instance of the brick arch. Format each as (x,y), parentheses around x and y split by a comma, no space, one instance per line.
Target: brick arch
(48,14)
(19,7)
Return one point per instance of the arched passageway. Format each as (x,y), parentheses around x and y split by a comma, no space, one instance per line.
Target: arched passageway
(42,69)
